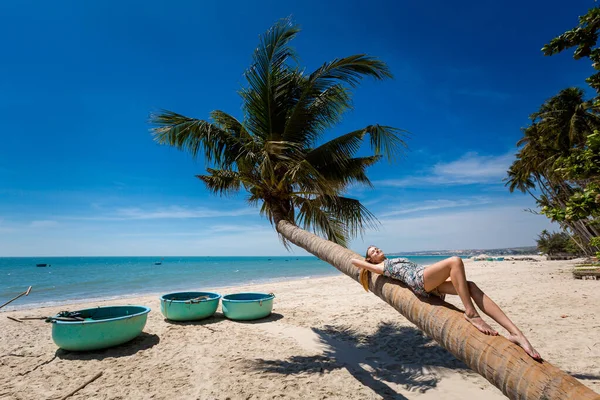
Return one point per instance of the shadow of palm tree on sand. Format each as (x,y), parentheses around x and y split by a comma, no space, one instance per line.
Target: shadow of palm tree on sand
(396,354)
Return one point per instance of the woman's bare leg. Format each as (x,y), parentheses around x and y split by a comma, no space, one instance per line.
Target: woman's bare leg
(453,268)
(489,307)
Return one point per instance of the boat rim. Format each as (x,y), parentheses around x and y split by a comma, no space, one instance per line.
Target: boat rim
(162,298)
(266,296)
(145,310)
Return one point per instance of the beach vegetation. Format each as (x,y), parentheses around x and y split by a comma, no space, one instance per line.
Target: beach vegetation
(556,243)
(558,162)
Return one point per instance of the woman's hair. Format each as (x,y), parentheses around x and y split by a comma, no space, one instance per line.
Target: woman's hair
(365,274)
(364,278)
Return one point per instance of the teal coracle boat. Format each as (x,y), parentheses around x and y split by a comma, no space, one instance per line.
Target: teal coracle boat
(189,306)
(247,306)
(98,328)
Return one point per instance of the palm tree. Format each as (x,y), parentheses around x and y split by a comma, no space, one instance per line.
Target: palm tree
(561,124)
(273,154)
(566,119)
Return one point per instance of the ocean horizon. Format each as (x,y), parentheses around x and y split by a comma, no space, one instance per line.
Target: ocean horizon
(67,280)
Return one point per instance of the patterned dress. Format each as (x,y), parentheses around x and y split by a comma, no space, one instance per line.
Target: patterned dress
(410,273)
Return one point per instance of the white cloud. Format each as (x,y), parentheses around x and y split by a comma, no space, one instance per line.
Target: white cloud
(173,212)
(431,205)
(259,241)
(201,232)
(238,228)
(447,228)
(471,168)
(43,224)
(176,212)
(491,227)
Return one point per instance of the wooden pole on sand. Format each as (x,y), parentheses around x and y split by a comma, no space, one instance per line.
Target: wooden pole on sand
(25,293)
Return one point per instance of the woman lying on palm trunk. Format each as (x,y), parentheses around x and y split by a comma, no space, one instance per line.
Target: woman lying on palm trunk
(444,277)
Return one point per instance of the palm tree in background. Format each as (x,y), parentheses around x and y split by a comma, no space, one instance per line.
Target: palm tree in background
(566,119)
(274,154)
(561,124)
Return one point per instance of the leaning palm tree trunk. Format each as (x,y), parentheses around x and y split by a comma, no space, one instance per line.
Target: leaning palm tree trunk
(497,359)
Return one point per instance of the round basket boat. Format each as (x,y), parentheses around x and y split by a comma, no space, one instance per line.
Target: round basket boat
(98,328)
(189,306)
(247,306)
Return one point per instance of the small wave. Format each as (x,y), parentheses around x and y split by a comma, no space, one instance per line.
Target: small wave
(67,302)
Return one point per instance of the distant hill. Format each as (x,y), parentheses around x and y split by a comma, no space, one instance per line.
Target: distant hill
(472,252)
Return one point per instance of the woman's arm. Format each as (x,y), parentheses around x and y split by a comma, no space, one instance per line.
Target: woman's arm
(377,268)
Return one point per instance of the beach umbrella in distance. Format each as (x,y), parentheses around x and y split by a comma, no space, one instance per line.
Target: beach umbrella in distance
(299,184)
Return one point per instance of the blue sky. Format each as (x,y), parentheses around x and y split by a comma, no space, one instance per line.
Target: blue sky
(80,174)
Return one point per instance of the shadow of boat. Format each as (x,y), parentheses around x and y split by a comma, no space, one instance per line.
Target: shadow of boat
(143,341)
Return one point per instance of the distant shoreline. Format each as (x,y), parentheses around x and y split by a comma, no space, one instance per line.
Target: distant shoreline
(507,251)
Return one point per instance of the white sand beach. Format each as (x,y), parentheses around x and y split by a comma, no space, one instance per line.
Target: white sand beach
(326,339)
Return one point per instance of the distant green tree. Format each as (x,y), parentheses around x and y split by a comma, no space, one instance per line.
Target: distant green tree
(581,169)
(555,243)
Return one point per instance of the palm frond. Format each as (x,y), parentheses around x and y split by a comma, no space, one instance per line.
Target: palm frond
(350,70)
(269,78)
(518,178)
(221,182)
(387,140)
(355,215)
(194,136)
(326,86)
(229,123)
(305,178)
(311,119)
(282,150)
(354,170)
(335,216)
(337,149)
(314,217)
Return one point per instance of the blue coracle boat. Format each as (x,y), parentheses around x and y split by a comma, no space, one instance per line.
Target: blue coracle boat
(98,328)
(189,306)
(247,306)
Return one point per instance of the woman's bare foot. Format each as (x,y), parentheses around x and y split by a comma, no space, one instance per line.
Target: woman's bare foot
(480,324)
(521,340)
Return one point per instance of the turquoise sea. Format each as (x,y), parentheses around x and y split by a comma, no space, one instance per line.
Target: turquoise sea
(72,279)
